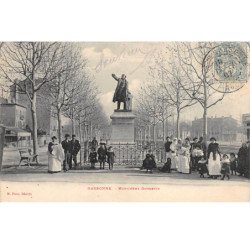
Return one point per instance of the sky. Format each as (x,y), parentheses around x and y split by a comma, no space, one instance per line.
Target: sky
(133,59)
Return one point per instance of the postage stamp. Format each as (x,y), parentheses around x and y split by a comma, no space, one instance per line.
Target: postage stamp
(230,62)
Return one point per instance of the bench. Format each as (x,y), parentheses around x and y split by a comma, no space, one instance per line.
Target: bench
(27,157)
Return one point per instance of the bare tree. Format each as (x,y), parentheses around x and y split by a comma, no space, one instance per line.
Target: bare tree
(63,89)
(30,66)
(196,61)
(169,80)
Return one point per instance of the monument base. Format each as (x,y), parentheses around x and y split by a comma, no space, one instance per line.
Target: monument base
(122,127)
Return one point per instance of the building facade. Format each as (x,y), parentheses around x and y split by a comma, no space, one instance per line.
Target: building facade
(246,126)
(222,128)
(13,117)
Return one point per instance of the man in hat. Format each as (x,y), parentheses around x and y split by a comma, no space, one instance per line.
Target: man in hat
(74,149)
(66,148)
(121,91)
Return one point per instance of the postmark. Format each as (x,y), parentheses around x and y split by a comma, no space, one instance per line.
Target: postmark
(231,62)
(230,66)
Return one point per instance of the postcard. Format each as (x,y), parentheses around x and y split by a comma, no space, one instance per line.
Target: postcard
(124,121)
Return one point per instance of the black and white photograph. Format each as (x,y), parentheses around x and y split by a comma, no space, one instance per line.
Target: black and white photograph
(125,121)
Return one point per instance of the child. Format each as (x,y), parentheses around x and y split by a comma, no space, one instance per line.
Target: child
(102,152)
(111,157)
(202,167)
(197,155)
(167,166)
(148,163)
(233,163)
(225,168)
(92,157)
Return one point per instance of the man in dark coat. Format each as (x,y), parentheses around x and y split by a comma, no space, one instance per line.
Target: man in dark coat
(102,153)
(242,160)
(94,143)
(74,149)
(202,145)
(121,91)
(247,174)
(66,148)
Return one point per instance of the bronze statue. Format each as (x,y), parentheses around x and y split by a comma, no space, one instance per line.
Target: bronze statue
(121,92)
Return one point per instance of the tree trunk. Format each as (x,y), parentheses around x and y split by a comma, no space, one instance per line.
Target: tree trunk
(80,139)
(59,120)
(205,124)
(205,114)
(34,123)
(163,129)
(73,126)
(178,124)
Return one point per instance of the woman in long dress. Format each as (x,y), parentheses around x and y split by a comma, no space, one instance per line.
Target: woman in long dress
(179,152)
(214,156)
(242,160)
(186,157)
(183,156)
(55,156)
(174,157)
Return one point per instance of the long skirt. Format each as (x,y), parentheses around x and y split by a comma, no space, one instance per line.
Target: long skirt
(55,165)
(174,161)
(183,164)
(214,166)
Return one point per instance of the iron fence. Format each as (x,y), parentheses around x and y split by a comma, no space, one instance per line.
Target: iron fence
(131,154)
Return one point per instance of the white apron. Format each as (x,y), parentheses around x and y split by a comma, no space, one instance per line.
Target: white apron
(214,166)
(55,158)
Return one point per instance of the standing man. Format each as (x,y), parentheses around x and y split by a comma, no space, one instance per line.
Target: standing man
(66,148)
(121,91)
(247,174)
(94,144)
(102,153)
(74,149)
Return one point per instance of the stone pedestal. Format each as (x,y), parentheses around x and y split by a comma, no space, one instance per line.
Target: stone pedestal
(122,127)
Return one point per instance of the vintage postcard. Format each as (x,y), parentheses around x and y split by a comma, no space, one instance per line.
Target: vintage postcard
(124,121)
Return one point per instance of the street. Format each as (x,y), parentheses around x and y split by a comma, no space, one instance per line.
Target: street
(123,183)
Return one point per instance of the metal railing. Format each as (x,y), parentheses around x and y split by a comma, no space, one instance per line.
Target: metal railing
(131,155)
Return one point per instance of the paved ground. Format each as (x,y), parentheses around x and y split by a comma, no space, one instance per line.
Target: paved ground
(120,174)
(124,183)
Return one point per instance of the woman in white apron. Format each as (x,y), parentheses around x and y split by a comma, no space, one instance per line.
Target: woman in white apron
(185,162)
(179,155)
(174,158)
(55,156)
(214,156)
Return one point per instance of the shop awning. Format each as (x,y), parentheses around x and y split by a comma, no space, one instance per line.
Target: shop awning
(15,131)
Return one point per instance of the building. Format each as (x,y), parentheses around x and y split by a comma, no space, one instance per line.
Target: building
(246,126)
(46,123)
(13,117)
(222,128)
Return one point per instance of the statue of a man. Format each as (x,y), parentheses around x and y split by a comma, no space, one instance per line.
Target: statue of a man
(121,91)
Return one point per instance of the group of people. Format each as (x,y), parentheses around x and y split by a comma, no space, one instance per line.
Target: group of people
(65,153)
(195,156)
(101,154)
(179,154)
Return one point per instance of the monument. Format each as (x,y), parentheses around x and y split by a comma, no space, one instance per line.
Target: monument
(122,119)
